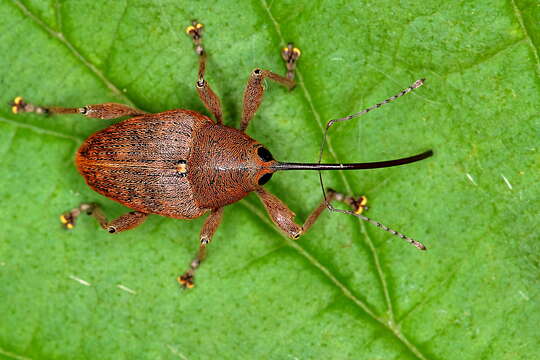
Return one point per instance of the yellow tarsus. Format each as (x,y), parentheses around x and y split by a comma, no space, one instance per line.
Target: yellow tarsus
(361,205)
(185,283)
(192,28)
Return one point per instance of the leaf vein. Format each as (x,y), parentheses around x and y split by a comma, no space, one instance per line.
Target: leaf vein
(110,53)
(41,130)
(12,355)
(9,142)
(346,291)
(534,48)
(490,55)
(75,52)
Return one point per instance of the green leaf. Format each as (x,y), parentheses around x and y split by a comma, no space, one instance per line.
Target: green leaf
(344,290)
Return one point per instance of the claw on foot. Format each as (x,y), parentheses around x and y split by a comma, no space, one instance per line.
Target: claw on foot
(359,205)
(290,53)
(186,281)
(195,32)
(68,220)
(195,29)
(18,105)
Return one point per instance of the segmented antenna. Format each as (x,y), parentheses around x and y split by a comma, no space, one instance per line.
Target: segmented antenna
(411,241)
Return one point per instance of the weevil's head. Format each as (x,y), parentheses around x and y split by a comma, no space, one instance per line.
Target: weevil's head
(265,165)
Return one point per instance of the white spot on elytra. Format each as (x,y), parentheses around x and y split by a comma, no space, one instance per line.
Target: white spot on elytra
(126,289)
(469,176)
(507,182)
(79,280)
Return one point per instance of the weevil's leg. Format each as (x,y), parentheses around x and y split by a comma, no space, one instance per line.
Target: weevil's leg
(358,205)
(98,111)
(283,217)
(208,97)
(253,94)
(212,222)
(125,222)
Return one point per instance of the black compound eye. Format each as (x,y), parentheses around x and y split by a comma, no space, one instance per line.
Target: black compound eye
(265,178)
(264,154)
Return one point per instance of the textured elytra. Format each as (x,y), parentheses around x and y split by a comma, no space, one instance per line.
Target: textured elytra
(135,162)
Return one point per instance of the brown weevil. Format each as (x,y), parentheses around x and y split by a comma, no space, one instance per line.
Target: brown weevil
(182,164)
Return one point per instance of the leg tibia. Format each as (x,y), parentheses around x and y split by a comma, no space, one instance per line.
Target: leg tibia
(253,94)
(125,222)
(280,214)
(283,217)
(357,204)
(187,279)
(98,111)
(109,111)
(210,226)
(208,97)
